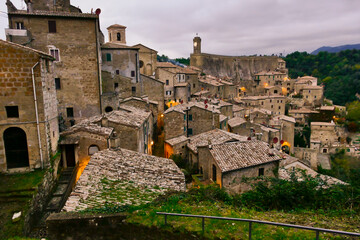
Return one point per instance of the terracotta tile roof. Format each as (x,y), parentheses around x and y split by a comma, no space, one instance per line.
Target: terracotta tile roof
(165,65)
(215,136)
(177,140)
(86,126)
(211,80)
(182,70)
(128,115)
(54,14)
(260,110)
(223,118)
(139,99)
(109,45)
(181,107)
(116,26)
(43,54)
(238,155)
(236,121)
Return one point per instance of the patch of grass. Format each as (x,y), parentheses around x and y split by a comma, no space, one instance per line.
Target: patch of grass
(16,193)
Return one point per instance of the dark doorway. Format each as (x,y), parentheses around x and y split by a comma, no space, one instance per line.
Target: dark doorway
(16,148)
(214,173)
(70,155)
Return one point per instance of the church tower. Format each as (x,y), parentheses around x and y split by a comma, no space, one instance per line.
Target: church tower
(117,34)
(197,45)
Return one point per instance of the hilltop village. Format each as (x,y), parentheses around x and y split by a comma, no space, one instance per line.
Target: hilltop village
(109,110)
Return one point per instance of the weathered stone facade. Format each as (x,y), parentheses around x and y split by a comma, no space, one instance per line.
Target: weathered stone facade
(147,60)
(22,126)
(61,31)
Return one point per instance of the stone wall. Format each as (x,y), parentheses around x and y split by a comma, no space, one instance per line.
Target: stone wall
(78,67)
(308,155)
(203,120)
(234,67)
(99,226)
(154,90)
(174,124)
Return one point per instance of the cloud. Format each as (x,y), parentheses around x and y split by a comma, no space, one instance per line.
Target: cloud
(230,27)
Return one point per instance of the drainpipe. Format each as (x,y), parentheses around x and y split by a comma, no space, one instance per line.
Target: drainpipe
(37,115)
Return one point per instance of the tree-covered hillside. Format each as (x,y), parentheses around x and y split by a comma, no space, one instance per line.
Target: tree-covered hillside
(339,72)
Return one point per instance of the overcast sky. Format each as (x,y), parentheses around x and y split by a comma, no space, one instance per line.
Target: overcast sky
(228,27)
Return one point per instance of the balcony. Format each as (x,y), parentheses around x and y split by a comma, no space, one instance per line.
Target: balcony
(16,32)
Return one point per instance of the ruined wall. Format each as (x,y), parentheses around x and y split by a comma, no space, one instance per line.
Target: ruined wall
(234,67)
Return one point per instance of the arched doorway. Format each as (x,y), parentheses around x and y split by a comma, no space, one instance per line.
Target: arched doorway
(16,148)
(108,109)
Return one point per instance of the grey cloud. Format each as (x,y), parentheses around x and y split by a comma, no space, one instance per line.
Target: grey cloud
(231,27)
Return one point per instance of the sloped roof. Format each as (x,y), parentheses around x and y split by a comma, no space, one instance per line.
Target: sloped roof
(181,107)
(165,65)
(110,45)
(215,136)
(236,121)
(54,14)
(176,140)
(238,155)
(15,45)
(85,126)
(116,26)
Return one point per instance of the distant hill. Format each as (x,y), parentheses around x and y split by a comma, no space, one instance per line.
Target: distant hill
(336,49)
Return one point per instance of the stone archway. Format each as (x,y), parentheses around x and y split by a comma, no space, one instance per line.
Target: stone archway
(16,148)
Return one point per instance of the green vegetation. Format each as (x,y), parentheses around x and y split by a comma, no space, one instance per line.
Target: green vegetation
(185,61)
(302,200)
(16,193)
(187,168)
(339,72)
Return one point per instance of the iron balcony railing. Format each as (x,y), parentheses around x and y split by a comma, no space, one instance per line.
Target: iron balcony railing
(250,221)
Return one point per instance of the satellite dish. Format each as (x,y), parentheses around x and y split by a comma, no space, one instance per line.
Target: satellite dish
(249,139)
(275,140)
(282,142)
(98,11)
(206,106)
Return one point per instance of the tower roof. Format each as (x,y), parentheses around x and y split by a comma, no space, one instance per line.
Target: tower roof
(116,26)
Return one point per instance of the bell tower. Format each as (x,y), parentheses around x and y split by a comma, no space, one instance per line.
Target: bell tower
(197,44)
(117,34)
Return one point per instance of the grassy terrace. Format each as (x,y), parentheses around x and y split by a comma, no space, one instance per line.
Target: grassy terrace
(214,203)
(16,192)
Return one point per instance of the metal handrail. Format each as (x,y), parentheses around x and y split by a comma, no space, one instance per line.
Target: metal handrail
(250,221)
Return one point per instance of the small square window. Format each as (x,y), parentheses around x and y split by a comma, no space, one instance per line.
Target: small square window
(132,73)
(116,85)
(12,111)
(52,26)
(117,72)
(55,53)
(261,171)
(167,83)
(133,89)
(190,131)
(70,112)
(108,57)
(57,83)
(190,117)
(20,25)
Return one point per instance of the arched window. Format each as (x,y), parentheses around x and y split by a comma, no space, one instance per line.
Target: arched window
(16,148)
(118,36)
(141,64)
(93,149)
(108,109)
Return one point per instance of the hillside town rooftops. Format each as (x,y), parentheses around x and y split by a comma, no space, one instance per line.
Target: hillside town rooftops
(203,92)
(121,165)
(177,140)
(86,126)
(260,110)
(222,118)
(211,80)
(139,99)
(239,155)
(302,111)
(236,121)
(165,65)
(215,136)
(182,107)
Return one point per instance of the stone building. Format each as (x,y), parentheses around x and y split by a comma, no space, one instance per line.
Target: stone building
(226,164)
(73,38)
(187,147)
(275,103)
(313,95)
(147,60)
(190,119)
(152,173)
(142,103)
(237,67)
(301,115)
(121,71)
(29,129)
(217,88)
(286,126)
(323,136)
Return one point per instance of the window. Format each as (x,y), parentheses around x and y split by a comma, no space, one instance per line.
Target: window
(184,129)
(272,106)
(70,112)
(118,36)
(12,111)
(270,100)
(20,25)
(324,150)
(167,82)
(57,84)
(218,88)
(262,103)
(187,77)
(190,117)
(279,107)
(194,85)
(108,109)
(132,73)
(168,93)
(315,96)
(108,57)
(141,64)
(133,89)
(190,131)
(93,149)
(55,53)
(275,91)
(116,85)
(261,171)
(52,26)
(117,72)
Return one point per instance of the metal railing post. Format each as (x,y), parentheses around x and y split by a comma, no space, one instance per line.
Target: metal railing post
(165,219)
(317,235)
(250,224)
(203,225)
